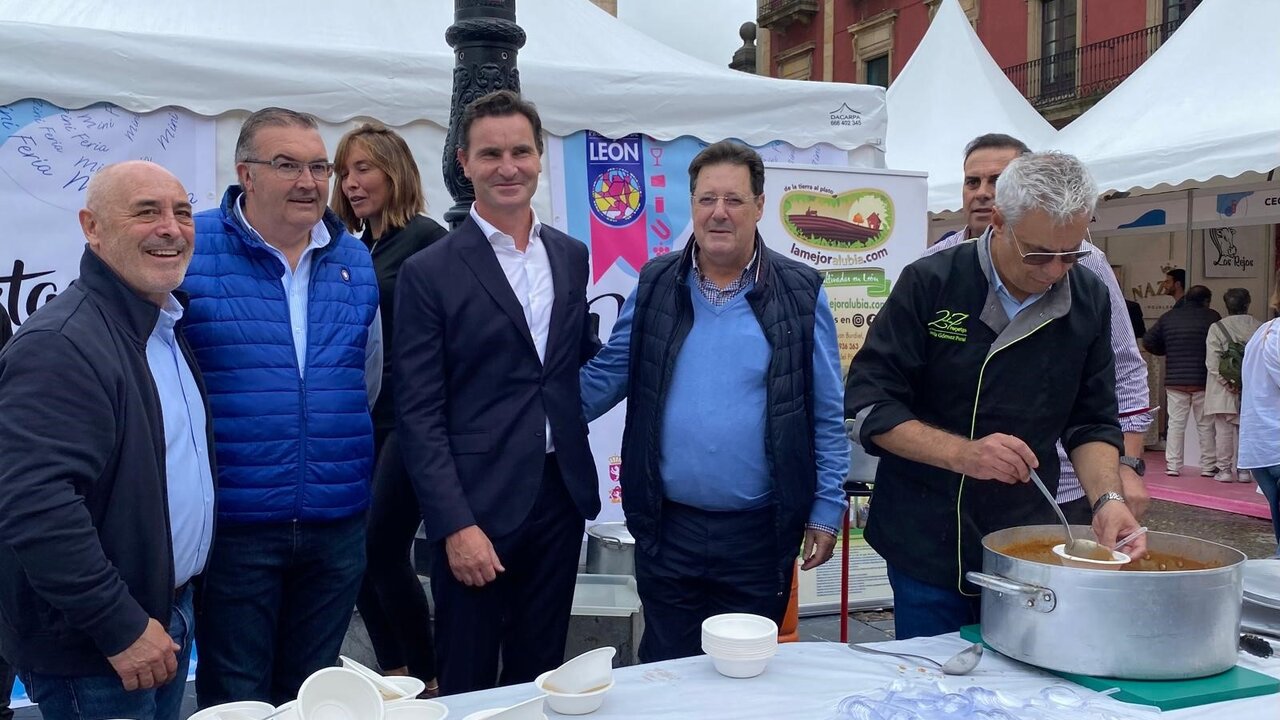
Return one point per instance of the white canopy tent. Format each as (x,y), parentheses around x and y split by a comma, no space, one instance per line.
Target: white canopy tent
(1205,105)
(950,92)
(1189,138)
(340,60)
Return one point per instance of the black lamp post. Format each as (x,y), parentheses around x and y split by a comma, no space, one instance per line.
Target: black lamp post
(485,39)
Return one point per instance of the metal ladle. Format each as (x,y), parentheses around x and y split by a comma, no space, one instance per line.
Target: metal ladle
(1086,549)
(962,663)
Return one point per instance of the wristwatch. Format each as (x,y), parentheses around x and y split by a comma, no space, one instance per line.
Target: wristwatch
(1138,464)
(1104,498)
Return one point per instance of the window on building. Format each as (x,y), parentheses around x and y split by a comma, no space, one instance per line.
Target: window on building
(1175,11)
(1057,47)
(876,71)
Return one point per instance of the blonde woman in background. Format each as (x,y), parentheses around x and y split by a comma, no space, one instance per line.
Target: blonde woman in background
(379,196)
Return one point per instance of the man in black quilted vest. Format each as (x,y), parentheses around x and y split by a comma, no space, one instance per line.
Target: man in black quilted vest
(733,454)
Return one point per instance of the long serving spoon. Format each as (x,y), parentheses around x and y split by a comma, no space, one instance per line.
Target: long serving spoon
(1074,547)
(962,663)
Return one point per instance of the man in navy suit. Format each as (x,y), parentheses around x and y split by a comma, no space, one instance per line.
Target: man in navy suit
(491,329)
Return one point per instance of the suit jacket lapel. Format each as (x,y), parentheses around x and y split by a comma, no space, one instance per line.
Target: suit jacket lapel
(558,258)
(479,256)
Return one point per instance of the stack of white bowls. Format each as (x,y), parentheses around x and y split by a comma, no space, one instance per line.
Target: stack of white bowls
(739,644)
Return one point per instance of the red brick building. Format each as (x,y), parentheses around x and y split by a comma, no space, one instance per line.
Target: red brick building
(1062,54)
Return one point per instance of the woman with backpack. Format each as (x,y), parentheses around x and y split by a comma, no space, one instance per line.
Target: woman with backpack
(1223,355)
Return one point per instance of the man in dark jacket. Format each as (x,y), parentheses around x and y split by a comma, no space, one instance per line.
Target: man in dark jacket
(491,329)
(106,492)
(727,352)
(984,356)
(1180,336)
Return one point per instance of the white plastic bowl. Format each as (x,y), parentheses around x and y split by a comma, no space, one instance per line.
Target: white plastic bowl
(1117,560)
(410,687)
(739,654)
(290,711)
(415,710)
(339,694)
(235,711)
(740,668)
(573,703)
(586,672)
(739,628)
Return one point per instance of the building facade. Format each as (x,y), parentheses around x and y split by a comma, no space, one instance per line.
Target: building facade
(1062,54)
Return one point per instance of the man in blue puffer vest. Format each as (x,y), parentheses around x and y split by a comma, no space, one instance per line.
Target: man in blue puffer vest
(284,325)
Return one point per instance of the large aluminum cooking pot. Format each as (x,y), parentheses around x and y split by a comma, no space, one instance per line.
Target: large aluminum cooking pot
(1164,625)
(610,549)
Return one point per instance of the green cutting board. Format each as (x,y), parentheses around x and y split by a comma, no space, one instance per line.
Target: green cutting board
(1233,684)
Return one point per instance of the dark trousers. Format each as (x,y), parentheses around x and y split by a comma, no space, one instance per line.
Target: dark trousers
(6,690)
(275,604)
(921,609)
(392,602)
(709,563)
(524,613)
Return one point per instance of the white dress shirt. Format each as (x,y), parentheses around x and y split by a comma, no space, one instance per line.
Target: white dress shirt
(1260,400)
(529,275)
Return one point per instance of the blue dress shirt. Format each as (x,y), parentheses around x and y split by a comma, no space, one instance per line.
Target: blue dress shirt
(604,384)
(186,445)
(1010,304)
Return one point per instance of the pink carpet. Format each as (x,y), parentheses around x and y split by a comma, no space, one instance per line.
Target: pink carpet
(1191,489)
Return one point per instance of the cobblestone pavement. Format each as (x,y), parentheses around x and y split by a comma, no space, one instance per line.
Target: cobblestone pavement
(1251,536)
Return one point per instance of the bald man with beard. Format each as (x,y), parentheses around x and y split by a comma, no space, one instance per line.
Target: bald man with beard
(106,492)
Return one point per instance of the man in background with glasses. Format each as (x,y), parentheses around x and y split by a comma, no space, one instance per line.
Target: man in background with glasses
(985,158)
(984,356)
(734,453)
(283,321)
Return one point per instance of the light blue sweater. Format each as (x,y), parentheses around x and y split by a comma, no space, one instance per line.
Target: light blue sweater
(713,453)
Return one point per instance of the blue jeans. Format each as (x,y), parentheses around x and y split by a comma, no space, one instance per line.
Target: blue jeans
(921,609)
(98,697)
(275,603)
(1269,480)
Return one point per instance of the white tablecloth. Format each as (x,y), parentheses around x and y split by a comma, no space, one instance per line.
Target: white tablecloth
(808,680)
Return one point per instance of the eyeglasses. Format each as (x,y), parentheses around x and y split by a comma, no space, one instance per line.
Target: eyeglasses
(1069,257)
(292,169)
(731,202)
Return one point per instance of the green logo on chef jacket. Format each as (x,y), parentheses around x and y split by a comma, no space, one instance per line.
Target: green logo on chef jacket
(949,325)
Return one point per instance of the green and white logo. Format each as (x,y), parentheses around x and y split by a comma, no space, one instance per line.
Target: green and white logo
(949,325)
